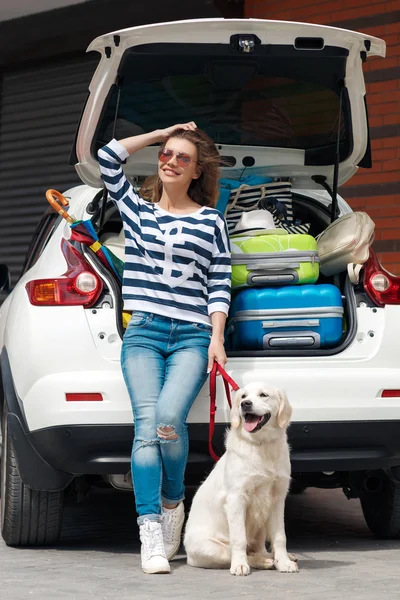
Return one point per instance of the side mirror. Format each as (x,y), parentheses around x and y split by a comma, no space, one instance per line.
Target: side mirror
(5,279)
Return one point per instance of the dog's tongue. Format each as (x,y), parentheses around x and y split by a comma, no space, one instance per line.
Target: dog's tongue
(251,422)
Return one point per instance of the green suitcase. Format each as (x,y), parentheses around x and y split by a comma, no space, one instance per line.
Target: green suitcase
(266,260)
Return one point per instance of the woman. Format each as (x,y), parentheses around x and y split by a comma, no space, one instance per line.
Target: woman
(177,286)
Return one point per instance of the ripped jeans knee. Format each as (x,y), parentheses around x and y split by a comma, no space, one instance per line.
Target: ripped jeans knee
(141,443)
(167,433)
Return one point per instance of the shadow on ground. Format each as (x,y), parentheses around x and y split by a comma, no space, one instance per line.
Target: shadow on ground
(315,520)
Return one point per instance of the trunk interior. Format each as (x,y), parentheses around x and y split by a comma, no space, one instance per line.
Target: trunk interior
(306,209)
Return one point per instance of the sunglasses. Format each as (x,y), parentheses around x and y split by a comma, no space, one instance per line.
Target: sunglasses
(183,160)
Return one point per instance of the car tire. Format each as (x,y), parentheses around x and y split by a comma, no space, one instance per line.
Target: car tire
(380,504)
(28,517)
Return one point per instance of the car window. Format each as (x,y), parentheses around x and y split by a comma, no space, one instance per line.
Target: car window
(277,98)
(43,232)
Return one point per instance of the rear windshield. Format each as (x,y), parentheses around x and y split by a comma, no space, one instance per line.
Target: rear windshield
(280,97)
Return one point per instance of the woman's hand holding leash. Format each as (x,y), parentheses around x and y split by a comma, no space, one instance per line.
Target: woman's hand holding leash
(216,352)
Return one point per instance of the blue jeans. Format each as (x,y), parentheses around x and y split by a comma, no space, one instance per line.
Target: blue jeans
(164,363)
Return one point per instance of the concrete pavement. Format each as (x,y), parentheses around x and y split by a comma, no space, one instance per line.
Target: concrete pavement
(98,557)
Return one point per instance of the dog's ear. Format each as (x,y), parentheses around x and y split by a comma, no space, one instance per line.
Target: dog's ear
(285,410)
(235,411)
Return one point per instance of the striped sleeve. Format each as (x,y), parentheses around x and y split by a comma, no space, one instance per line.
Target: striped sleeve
(110,158)
(219,272)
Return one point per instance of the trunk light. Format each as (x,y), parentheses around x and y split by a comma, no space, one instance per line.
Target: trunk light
(84,397)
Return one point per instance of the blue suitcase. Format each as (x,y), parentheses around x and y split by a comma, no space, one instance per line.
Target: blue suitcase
(307,316)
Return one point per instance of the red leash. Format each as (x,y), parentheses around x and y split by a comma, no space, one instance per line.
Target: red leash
(213,407)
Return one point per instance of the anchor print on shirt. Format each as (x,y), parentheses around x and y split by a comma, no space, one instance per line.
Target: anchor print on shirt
(170,239)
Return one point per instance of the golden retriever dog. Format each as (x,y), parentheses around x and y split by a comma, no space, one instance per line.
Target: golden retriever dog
(240,506)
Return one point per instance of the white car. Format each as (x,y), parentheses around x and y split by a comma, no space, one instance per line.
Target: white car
(270,94)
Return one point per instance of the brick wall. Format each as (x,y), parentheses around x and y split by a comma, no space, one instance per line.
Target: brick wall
(376,190)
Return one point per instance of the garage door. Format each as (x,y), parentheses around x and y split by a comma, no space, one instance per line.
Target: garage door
(40,110)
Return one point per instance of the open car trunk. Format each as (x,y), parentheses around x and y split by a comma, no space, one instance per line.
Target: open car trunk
(311,211)
(281,100)
(307,209)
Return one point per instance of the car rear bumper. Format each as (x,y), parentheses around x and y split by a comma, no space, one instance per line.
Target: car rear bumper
(320,446)
(106,449)
(50,456)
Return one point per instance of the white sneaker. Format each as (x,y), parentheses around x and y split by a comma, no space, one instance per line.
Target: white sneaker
(171,523)
(152,550)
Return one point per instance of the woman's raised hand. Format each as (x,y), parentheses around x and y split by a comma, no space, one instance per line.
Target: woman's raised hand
(137,142)
(191,126)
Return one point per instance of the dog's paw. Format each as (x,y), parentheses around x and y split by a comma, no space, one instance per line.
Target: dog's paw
(285,565)
(293,557)
(238,568)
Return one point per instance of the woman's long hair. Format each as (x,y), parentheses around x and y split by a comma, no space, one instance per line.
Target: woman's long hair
(203,190)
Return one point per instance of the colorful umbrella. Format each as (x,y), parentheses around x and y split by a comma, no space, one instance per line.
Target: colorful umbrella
(84,232)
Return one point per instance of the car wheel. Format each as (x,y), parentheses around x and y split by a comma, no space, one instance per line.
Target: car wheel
(28,517)
(380,503)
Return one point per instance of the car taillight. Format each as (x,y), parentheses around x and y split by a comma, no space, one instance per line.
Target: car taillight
(79,285)
(381,286)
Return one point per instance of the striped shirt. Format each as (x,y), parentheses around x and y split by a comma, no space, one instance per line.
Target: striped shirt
(178,266)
